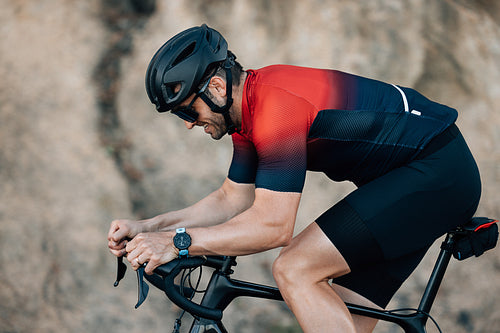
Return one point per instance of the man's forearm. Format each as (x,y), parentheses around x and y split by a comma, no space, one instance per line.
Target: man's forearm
(218,207)
(266,225)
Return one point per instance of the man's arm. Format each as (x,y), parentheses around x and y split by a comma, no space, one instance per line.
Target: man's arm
(267,224)
(219,206)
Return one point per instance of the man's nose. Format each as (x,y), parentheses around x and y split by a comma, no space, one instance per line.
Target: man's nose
(188,124)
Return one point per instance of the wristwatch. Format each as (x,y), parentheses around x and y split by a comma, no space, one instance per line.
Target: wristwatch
(182,241)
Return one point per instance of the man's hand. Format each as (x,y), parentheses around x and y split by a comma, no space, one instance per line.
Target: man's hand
(155,248)
(119,233)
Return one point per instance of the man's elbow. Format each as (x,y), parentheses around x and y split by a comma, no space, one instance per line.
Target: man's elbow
(281,235)
(285,240)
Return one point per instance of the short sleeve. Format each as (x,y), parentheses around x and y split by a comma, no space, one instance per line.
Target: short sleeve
(280,138)
(244,163)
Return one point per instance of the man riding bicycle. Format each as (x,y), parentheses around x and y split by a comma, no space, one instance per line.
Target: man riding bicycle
(415,176)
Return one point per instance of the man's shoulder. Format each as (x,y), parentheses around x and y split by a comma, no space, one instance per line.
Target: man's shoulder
(279,70)
(283,78)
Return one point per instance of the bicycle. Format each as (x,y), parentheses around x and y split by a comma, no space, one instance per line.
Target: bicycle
(474,238)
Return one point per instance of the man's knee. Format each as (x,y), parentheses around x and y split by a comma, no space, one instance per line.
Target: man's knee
(291,268)
(310,258)
(284,269)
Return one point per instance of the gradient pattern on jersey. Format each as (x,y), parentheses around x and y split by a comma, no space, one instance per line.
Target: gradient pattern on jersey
(349,127)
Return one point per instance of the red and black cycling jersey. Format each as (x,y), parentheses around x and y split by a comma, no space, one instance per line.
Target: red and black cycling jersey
(349,127)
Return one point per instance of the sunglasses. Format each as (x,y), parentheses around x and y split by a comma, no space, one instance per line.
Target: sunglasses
(186,112)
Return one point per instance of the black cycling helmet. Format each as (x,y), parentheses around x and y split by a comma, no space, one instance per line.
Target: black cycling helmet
(183,60)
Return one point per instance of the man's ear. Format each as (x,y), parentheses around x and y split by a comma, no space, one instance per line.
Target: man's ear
(219,85)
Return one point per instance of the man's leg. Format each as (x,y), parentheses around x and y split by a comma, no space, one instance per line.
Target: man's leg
(362,323)
(302,272)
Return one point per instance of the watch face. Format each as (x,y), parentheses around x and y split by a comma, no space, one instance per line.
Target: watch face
(182,241)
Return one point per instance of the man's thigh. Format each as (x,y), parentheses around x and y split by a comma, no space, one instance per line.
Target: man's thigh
(312,255)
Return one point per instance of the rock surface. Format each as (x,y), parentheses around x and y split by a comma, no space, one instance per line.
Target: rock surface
(80,143)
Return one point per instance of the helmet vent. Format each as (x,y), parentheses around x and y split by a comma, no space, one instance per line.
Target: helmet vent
(185,53)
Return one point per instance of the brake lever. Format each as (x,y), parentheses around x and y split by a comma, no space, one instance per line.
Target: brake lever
(142,287)
(120,270)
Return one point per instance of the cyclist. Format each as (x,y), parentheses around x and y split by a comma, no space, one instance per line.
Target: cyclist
(415,176)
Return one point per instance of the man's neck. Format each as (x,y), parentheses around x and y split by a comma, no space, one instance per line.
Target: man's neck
(236,113)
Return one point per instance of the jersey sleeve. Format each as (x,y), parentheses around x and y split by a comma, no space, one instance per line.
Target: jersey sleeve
(280,126)
(244,163)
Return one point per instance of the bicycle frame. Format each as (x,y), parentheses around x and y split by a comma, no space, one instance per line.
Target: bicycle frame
(222,289)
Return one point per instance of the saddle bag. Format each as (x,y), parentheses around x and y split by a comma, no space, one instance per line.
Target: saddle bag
(474,238)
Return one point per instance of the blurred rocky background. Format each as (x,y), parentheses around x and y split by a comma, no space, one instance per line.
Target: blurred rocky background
(80,144)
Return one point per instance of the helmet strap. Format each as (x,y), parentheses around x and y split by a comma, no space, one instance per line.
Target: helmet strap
(224,110)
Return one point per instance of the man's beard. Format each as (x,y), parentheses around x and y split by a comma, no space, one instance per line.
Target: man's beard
(220,130)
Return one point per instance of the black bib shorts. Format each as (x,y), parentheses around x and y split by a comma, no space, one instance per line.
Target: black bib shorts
(384,228)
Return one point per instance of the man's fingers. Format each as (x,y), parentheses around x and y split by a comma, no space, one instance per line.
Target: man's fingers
(152,264)
(120,229)
(133,243)
(134,254)
(118,253)
(120,234)
(150,248)
(112,229)
(117,246)
(150,267)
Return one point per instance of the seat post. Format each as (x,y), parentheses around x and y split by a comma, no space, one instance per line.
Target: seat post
(437,274)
